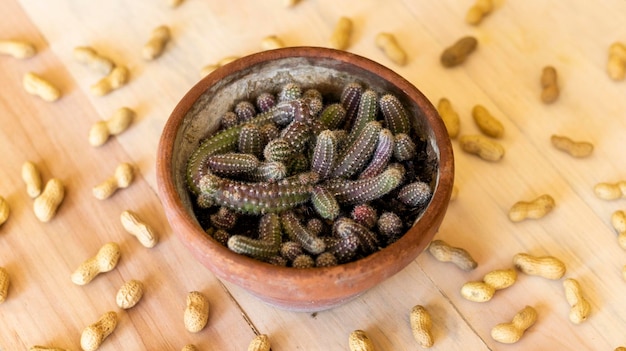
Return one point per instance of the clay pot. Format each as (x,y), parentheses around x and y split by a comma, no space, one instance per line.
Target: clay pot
(197,115)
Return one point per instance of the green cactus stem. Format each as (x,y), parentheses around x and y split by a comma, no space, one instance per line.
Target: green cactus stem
(224,219)
(382,155)
(404,147)
(290,250)
(315,226)
(265,101)
(289,92)
(314,100)
(270,131)
(229,119)
(298,233)
(297,164)
(297,134)
(365,215)
(220,235)
(277,260)
(277,150)
(245,111)
(343,247)
(325,259)
(324,203)
(256,198)
(368,242)
(390,225)
(303,261)
(232,163)
(268,243)
(324,154)
(350,100)
(415,194)
(366,189)
(251,140)
(332,116)
(267,171)
(368,110)
(359,151)
(396,117)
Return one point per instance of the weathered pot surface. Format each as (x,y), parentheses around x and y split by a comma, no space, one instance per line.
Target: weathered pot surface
(197,116)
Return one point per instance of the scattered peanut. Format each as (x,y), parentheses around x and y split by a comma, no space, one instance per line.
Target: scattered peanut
(122,178)
(458,52)
(389,45)
(574,148)
(610,191)
(174,3)
(271,42)
(212,67)
(580,306)
(483,147)
(36,85)
(45,348)
(620,348)
(129,294)
(289,3)
(19,49)
(46,204)
(133,225)
(443,252)
(104,261)
(189,347)
(421,325)
(114,80)
(155,46)
(616,66)
(96,62)
(119,122)
(93,336)
(492,281)
(618,220)
(32,177)
(548,267)
(478,11)
(359,341)
(534,209)
(4,284)
(487,123)
(197,312)
(340,39)
(550,88)
(509,333)
(455,193)
(260,343)
(5,210)
(450,117)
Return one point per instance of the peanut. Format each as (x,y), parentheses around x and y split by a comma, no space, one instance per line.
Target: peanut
(119,122)
(46,204)
(174,3)
(610,191)
(45,348)
(616,66)
(19,49)
(104,261)
(580,306)
(114,80)
(550,88)
(450,117)
(272,42)
(574,148)
(156,45)
(359,341)
(389,45)
(129,294)
(340,39)
(487,123)
(38,86)
(136,227)
(122,178)
(5,210)
(620,348)
(485,148)
(534,209)
(189,347)
(421,325)
(492,281)
(509,333)
(4,284)
(548,267)
(94,61)
(289,3)
(260,343)
(455,193)
(32,177)
(478,11)
(618,220)
(443,252)
(93,336)
(458,52)
(196,313)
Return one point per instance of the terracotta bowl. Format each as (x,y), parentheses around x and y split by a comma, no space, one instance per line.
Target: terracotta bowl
(197,115)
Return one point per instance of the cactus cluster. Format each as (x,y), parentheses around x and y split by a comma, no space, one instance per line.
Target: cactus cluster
(298,181)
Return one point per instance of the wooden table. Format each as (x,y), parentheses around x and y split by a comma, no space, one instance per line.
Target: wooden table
(515,42)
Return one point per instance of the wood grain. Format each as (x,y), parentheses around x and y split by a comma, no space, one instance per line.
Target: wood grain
(515,42)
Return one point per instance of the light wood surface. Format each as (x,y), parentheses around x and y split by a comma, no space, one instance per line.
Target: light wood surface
(515,42)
